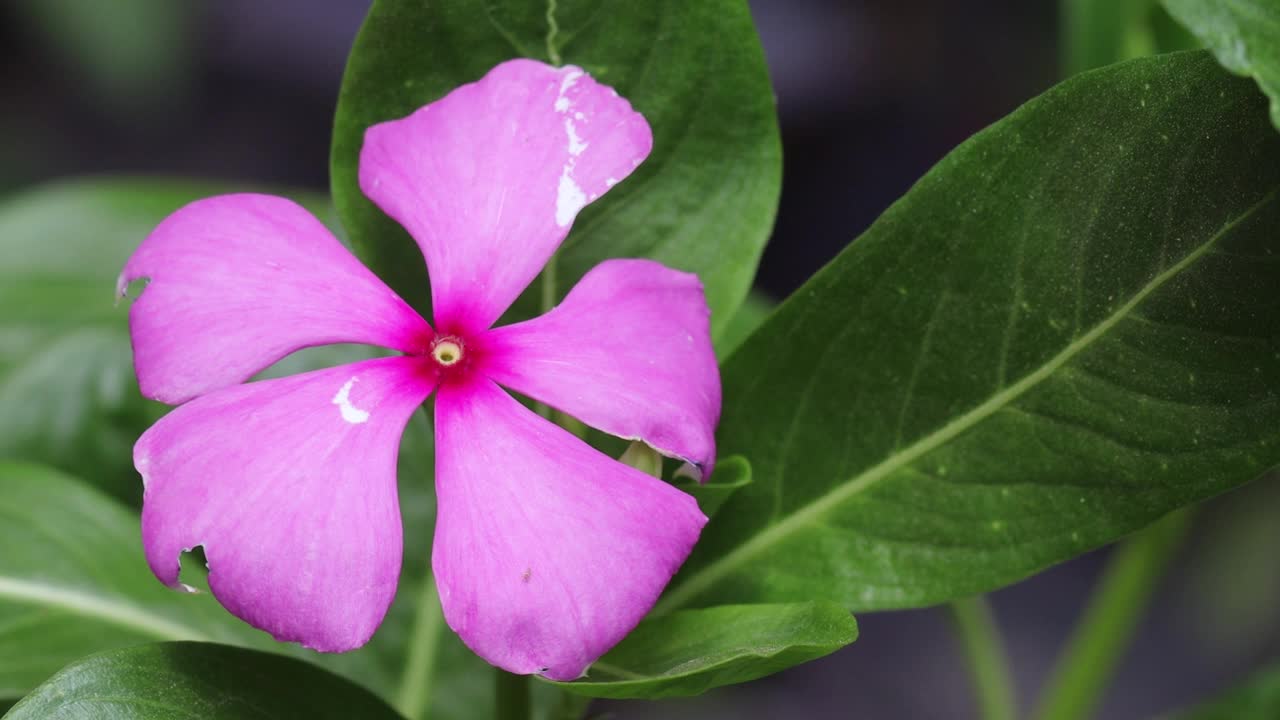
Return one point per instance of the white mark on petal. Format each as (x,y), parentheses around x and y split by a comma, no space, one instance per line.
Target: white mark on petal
(610,182)
(350,413)
(569,198)
(579,116)
(570,77)
(576,145)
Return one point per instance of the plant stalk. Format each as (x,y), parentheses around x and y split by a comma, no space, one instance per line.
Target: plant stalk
(979,637)
(414,697)
(1085,667)
(547,290)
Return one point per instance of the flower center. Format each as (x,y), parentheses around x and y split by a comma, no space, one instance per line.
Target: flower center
(447,351)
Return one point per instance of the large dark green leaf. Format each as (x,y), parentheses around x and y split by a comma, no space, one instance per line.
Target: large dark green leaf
(704,200)
(196,680)
(692,651)
(1063,331)
(68,397)
(1244,34)
(1258,699)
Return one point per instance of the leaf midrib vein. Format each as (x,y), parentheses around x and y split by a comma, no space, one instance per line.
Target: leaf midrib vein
(105,610)
(816,508)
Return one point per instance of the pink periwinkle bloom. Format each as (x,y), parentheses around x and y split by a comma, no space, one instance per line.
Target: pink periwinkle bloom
(547,552)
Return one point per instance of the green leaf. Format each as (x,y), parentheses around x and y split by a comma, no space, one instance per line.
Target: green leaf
(731,475)
(704,201)
(1096,33)
(1243,34)
(68,397)
(196,680)
(691,651)
(751,314)
(1257,699)
(73,581)
(1065,330)
(1101,32)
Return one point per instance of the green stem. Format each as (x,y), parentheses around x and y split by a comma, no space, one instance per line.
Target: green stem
(512,695)
(547,300)
(980,638)
(550,288)
(1084,668)
(414,697)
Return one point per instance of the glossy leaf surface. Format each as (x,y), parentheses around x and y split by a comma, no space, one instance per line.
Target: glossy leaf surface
(692,651)
(197,680)
(1064,330)
(1243,34)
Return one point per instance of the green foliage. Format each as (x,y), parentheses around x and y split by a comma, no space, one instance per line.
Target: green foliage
(68,397)
(731,475)
(1061,333)
(1101,32)
(692,651)
(73,581)
(196,680)
(1258,699)
(704,201)
(751,314)
(1102,634)
(1243,34)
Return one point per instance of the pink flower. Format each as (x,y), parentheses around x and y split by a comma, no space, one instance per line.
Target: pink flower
(546,551)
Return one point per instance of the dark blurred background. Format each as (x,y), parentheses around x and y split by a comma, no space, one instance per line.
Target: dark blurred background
(871,93)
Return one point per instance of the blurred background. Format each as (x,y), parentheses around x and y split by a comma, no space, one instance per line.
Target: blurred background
(871,93)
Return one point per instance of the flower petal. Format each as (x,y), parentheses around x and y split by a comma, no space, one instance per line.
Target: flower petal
(489,178)
(547,552)
(627,352)
(289,485)
(240,281)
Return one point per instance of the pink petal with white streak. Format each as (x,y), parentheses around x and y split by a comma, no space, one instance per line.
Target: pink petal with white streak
(627,352)
(289,485)
(489,178)
(240,281)
(547,552)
